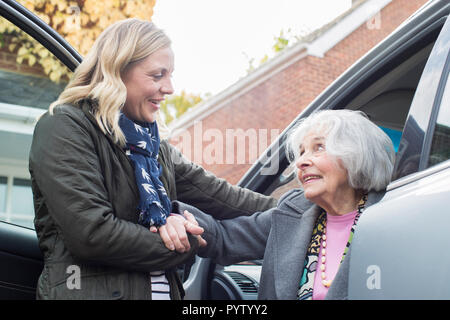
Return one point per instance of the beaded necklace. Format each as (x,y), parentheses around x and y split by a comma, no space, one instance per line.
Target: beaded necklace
(326,282)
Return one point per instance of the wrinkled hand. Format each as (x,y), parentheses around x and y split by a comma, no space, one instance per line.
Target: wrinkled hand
(174,232)
(193,222)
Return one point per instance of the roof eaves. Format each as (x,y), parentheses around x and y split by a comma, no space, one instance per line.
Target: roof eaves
(325,38)
(259,75)
(19,119)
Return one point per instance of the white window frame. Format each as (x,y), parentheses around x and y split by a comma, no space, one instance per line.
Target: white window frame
(13,169)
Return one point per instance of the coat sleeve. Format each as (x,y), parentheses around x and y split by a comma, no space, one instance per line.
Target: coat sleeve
(66,170)
(205,191)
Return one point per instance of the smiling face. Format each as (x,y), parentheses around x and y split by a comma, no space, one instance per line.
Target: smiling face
(324,180)
(148,82)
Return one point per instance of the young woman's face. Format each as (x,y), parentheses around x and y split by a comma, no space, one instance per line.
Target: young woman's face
(324,180)
(148,82)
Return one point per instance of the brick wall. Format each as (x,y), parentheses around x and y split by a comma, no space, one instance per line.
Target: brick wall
(274,103)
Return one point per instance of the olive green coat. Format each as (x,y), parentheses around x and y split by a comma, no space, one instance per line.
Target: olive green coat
(85,199)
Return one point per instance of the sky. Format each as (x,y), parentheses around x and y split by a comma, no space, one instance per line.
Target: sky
(214,40)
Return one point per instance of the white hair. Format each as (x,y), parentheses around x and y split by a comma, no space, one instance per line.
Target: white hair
(365,151)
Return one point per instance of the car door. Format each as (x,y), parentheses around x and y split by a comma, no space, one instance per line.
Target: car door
(25,93)
(400,249)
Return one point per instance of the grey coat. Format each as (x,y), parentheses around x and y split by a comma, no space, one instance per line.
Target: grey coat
(280,236)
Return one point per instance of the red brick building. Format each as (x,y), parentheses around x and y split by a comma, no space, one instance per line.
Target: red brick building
(226,133)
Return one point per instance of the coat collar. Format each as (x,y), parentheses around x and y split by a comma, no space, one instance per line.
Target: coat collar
(293,235)
(87,108)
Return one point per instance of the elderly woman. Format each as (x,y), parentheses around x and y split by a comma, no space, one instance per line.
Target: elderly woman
(343,164)
(101,177)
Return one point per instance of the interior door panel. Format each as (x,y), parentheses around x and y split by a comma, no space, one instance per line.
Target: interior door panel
(21,262)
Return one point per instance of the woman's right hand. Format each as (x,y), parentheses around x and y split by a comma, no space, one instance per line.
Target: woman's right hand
(174,232)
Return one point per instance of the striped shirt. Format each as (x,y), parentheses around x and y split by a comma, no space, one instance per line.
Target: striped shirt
(160,286)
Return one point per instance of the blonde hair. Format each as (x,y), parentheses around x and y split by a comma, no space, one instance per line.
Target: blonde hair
(98,77)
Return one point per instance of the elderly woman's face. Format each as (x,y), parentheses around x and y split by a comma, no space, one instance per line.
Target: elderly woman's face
(324,181)
(148,82)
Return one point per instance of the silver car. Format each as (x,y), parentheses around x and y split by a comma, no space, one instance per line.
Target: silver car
(400,247)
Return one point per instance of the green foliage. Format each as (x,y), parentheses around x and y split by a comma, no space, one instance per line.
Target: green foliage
(78,21)
(175,105)
(281,42)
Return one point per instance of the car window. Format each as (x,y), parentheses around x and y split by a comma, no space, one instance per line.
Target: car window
(440,145)
(30,79)
(294,183)
(395,136)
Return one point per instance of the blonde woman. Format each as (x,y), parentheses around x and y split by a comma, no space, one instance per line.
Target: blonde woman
(101,177)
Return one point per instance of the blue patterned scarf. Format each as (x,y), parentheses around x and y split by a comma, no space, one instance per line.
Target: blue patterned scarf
(142,149)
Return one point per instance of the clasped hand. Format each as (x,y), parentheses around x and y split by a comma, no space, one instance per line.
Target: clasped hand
(174,232)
